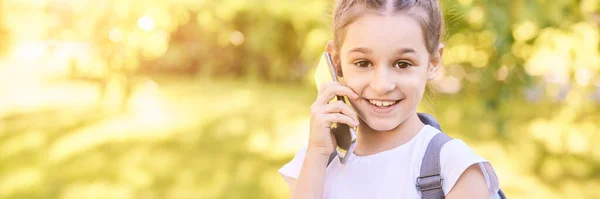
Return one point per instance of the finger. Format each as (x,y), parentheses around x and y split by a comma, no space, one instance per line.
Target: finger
(341,107)
(331,91)
(339,118)
(326,85)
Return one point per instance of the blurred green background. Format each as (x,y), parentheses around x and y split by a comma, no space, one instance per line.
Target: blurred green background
(186,99)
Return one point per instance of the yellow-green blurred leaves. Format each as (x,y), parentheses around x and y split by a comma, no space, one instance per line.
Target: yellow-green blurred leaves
(227,13)
(97,190)
(155,45)
(465,2)
(549,134)
(476,16)
(587,54)
(473,49)
(207,22)
(131,171)
(558,53)
(19,180)
(315,43)
(589,6)
(525,31)
(552,169)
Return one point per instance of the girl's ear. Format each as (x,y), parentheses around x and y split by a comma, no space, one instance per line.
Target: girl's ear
(435,62)
(331,48)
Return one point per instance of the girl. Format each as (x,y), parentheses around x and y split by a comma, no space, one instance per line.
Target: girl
(386,51)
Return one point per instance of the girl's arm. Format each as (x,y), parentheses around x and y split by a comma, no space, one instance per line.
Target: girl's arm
(471,185)
(311,180)
(321,142)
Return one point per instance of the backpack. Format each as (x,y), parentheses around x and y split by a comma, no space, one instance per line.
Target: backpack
(430,181)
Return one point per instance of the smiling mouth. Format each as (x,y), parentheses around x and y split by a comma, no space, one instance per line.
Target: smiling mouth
(383,103)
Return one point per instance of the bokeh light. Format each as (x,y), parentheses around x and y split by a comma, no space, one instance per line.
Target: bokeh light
(146,23)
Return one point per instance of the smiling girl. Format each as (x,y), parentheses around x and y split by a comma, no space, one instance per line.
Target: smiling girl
(385,51)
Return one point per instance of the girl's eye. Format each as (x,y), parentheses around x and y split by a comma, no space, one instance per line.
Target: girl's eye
(402,64)
(362,64)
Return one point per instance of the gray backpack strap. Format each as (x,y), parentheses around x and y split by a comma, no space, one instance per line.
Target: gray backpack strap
(429,120)
(429,183)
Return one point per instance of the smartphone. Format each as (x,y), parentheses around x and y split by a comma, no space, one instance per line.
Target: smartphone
(345,136)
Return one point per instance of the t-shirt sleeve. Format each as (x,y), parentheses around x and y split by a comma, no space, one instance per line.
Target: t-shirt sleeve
(292,168)
(456,157)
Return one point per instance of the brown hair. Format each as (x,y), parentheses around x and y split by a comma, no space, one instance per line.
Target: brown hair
(346,11)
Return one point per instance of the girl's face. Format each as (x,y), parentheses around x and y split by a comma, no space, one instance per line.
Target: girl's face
(384,59)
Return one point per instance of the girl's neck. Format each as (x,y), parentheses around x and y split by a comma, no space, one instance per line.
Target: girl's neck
(371,141)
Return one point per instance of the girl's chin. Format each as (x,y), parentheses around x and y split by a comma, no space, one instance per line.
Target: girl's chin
(382,125)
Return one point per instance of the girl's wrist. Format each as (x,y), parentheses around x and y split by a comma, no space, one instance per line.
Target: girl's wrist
(318,152)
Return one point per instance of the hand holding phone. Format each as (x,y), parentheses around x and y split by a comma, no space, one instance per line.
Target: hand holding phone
(333,120)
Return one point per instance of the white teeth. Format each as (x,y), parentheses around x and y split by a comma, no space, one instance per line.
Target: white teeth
(382,103)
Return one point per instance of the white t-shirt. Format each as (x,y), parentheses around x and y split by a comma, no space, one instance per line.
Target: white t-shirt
(393,173)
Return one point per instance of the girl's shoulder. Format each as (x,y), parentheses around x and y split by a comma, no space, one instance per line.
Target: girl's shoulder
(456,156)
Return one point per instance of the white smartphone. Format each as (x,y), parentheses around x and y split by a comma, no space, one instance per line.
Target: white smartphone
(345,136)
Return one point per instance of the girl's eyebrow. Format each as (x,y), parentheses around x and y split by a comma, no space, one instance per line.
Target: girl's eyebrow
(406,50)
(369,51)
(361,50)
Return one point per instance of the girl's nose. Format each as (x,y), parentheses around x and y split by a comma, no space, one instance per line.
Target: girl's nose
(381,82)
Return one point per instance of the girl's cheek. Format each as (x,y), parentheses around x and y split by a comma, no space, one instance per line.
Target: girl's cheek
(356,84)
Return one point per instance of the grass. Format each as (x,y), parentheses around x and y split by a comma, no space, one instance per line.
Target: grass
(226,139)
